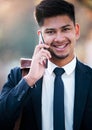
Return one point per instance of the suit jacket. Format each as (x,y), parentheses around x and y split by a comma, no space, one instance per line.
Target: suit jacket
(17,96)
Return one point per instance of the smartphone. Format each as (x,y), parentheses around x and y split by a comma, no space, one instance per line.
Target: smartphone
(41,41)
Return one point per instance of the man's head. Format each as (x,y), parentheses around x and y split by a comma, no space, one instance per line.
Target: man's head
(50,8)
(56,19)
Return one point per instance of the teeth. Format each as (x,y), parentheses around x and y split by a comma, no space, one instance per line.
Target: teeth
(61,47)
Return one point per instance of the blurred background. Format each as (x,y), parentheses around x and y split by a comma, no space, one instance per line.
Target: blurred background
(18,35)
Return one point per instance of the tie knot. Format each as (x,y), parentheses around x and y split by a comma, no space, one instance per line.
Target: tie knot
(59,71)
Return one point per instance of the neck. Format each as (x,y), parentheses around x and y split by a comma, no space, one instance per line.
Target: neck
(61,62)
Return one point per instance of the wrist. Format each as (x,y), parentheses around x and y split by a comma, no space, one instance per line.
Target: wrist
(30,80)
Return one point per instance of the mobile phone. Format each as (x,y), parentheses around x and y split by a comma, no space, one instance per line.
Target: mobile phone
(41,41)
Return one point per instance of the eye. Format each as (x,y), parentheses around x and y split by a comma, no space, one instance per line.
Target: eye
(66,29)
(50,32)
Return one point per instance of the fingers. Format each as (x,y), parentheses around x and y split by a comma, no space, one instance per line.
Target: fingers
(42,51)
(39,47)
(42,60)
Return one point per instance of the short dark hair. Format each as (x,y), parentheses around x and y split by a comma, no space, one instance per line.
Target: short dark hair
(50,8)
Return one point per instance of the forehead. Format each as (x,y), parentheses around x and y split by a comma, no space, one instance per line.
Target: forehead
(57,21)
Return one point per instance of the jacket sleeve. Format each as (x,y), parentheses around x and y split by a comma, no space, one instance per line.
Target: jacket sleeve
(13,96)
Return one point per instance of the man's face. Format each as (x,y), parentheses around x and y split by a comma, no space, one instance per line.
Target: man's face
(60,34)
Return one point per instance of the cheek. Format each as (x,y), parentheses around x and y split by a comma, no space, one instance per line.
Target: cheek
(48,40)
(72,37)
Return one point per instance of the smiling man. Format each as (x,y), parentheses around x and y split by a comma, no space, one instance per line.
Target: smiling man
(60,34)
(50,100)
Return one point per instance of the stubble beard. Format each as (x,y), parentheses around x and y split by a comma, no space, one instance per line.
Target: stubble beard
(58,57)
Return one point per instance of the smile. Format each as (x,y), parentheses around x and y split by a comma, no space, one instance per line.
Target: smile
(61,47)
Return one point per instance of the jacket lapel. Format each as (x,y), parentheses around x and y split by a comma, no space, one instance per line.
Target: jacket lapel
(37,94)
(81,91)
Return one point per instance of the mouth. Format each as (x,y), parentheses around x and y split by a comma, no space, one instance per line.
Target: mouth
(60,47)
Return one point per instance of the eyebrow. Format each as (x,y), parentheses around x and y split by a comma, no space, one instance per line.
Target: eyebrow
(48,29)
(68,25)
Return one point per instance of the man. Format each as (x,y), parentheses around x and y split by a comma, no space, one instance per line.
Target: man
(34,93)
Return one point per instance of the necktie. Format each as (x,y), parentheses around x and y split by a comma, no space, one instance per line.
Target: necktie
(58,107)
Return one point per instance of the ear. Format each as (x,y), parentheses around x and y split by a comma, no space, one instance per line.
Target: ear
(77,29)
(38,32)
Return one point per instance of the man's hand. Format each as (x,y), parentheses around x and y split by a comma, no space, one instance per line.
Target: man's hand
(37,66)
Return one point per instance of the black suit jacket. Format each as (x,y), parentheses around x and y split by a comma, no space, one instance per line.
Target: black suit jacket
(17,96)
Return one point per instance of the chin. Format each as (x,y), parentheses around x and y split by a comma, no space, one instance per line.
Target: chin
(60,57)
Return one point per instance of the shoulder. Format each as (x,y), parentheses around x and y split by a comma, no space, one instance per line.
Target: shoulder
(15,74)
(83,67)
(15,71)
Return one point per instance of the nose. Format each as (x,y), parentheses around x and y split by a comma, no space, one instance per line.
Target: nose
(59,37)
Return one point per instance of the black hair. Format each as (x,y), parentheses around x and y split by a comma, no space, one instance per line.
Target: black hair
(50,8)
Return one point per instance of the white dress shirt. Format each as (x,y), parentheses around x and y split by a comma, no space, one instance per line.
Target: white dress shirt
(47,95)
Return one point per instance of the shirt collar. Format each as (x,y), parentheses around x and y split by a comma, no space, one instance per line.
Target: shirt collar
(69,68)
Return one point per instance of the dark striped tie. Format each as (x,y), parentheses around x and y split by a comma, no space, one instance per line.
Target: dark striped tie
(58,107)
